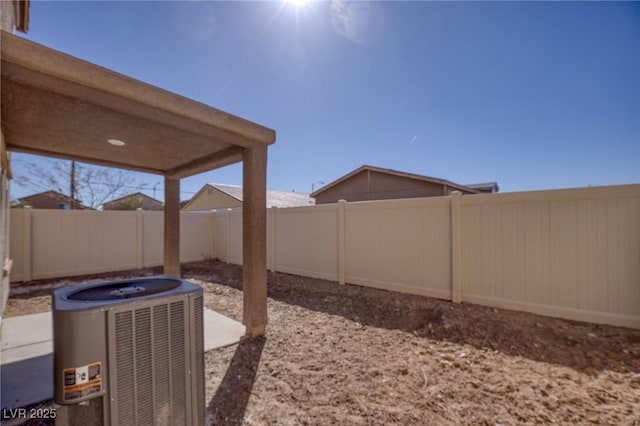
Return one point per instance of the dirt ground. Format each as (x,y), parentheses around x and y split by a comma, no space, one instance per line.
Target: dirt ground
(350,355)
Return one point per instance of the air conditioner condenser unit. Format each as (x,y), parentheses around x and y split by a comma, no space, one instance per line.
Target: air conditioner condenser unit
(132,348)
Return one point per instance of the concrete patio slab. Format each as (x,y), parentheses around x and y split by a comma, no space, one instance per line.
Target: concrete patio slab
(220,331)
(24,337)
(26,354)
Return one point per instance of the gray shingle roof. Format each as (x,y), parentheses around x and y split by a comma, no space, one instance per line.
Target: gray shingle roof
(274,198)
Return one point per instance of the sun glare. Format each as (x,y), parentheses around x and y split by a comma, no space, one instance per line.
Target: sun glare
(298,3)
(294,13)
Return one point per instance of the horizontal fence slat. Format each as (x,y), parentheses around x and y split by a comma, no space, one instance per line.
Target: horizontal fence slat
(557,311)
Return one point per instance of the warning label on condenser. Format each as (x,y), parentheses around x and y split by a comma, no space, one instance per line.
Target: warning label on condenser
(82,381)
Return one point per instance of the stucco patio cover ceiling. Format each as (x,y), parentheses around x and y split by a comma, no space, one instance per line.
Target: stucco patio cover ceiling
(57,105)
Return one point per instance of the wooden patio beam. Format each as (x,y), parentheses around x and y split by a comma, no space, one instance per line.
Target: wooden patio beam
(213,161)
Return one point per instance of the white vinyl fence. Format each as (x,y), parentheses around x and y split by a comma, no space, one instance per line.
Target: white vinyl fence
(63,243)
(571,253)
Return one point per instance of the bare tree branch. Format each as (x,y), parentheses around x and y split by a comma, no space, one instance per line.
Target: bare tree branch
(94,185)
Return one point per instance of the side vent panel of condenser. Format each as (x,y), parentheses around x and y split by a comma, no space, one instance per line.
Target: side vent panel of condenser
(151,383)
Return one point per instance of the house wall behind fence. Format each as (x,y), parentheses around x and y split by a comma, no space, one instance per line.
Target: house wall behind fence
(62,243)
(571,253)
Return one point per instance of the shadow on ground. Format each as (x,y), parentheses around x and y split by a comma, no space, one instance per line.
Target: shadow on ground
(228,405)
(581,346)
(13,391)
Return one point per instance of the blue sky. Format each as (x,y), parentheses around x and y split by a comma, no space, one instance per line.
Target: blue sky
(531,95)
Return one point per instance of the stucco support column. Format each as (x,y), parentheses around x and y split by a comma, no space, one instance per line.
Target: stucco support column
(172,226)
(254,240)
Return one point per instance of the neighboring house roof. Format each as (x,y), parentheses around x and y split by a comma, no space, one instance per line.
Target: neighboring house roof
(488,187)
(275,198)
(396,173)
(146,202)
(50,200)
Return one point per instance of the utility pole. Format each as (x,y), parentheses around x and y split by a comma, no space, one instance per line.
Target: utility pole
(154,189)
(73,184)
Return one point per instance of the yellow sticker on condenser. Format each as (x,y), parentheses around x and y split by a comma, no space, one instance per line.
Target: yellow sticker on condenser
(82,381)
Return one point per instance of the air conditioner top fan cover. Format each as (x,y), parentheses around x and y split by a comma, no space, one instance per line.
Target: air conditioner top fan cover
(96,294)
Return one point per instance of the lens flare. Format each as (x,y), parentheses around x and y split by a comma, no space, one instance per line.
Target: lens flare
(359,21)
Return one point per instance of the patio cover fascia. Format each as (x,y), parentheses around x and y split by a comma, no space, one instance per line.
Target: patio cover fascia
(56,105)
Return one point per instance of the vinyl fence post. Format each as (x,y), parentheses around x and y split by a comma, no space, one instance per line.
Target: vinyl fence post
(213,234)
(226,235)
(26,261)
(342,261)
(140,238)
(274,212)
(456,246)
